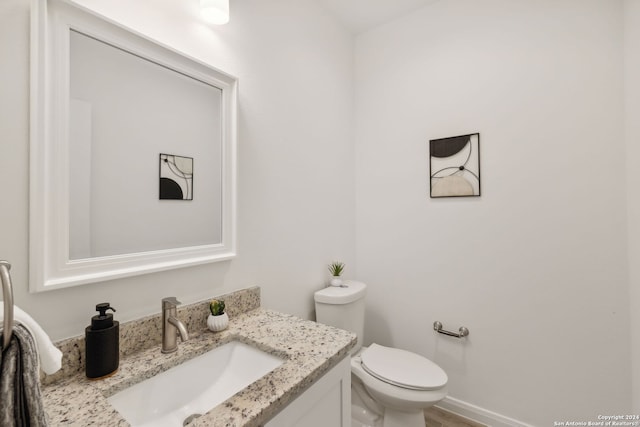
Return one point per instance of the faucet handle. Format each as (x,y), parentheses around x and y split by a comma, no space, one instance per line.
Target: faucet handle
(170,302)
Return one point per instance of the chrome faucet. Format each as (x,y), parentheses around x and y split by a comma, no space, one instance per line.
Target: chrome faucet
(171,325)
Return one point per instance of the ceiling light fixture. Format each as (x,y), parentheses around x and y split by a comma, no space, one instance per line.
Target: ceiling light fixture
(215,11)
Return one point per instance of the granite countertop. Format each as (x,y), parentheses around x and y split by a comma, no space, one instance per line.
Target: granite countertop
(309,349)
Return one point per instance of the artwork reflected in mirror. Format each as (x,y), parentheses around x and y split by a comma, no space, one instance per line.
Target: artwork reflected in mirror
(121,124)
(176,177)
(454,164)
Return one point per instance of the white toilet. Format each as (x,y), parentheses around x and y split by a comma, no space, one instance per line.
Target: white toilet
(389,387)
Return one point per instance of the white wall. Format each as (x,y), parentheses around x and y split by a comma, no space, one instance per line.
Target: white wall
(536,268)
(296,180)
(632,138)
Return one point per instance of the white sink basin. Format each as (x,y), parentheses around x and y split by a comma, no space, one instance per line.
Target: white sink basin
(193,387)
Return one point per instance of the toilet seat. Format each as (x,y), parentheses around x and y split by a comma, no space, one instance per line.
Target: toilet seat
(402,368)
(393,396)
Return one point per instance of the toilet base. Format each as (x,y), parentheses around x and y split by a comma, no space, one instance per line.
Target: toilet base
(365,412)
(360,418)
(394,418)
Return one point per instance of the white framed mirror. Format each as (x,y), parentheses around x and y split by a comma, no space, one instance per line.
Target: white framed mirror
(133,153)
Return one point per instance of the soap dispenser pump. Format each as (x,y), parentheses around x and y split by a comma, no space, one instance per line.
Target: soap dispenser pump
(102,343)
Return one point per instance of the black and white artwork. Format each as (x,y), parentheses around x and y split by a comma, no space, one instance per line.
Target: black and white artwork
(176,177)
(454,166)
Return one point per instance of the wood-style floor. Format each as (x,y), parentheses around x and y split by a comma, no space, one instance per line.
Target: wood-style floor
(437,417)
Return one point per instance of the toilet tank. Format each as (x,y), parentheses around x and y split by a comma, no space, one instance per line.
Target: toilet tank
(343,307)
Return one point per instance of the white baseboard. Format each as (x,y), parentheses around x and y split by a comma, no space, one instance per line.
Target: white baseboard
(478,414)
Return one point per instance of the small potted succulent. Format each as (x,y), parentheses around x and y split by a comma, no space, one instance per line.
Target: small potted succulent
(218,320)
(336,268)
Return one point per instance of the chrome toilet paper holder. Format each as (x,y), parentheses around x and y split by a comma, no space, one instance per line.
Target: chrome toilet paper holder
(462,331)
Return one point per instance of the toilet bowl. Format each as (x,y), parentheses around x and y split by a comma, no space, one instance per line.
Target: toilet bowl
(400,385)
(390,387)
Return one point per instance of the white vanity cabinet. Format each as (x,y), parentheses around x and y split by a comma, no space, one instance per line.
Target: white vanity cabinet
(327,403)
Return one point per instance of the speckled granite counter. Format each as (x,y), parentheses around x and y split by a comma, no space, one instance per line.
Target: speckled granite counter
(309,350)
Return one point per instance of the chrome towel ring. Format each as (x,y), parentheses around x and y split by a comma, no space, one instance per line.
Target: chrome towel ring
(7,296)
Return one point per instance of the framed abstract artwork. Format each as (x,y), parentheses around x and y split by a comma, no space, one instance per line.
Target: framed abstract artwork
(454,166)
(176,177)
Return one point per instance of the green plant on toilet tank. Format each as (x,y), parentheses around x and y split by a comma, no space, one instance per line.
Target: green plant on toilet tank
(218,320)
(336,268)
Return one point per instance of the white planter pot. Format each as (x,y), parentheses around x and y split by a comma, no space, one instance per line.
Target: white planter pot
(218,323)
(335,281)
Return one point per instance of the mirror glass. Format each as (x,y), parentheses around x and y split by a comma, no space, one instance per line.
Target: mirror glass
(133,153)
(129,120)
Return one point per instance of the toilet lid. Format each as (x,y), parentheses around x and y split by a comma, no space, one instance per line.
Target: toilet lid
(403,368)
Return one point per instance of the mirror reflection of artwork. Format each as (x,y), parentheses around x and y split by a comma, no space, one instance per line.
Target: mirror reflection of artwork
(455,166)
(176,177)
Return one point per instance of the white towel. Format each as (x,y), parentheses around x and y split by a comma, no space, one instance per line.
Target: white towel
(50,356)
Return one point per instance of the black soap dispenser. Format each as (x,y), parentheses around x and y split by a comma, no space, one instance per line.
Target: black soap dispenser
(102,343)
